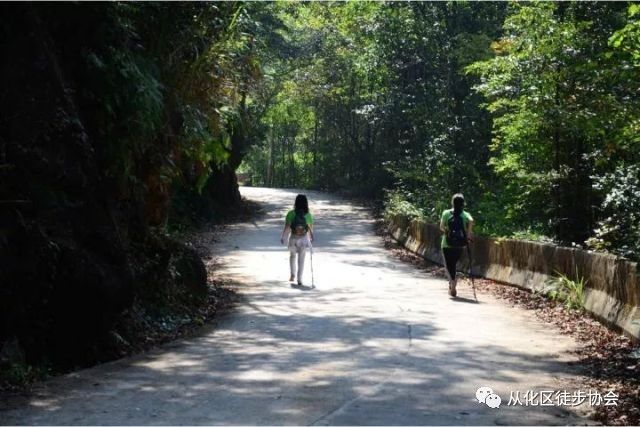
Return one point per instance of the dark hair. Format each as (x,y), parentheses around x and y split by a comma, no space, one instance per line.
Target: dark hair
(301,204)
(457,202)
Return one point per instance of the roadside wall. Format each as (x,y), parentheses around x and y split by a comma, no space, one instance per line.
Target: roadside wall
(613,288)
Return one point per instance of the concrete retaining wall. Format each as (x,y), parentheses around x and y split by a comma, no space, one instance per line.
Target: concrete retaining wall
(613,288)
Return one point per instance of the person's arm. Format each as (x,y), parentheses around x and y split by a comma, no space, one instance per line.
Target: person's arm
(285,231)
(311,232)
(470,230)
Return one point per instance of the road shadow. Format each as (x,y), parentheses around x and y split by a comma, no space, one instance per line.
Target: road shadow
(303,288)
(465,300)
(279,366)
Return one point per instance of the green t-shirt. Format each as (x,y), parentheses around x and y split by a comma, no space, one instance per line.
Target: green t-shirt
(291,214)
(446,216)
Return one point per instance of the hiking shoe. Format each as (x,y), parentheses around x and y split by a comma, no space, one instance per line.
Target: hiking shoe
(452,288)
(299,283)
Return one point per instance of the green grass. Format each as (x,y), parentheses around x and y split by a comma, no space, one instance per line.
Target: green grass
(568,290)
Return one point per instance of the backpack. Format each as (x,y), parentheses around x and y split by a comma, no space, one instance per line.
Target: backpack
(299,224)
(456,234)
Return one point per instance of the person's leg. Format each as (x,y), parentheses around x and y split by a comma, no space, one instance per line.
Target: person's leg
(292,258)
(456,253)
(451,257)
(302,252)
(449,262)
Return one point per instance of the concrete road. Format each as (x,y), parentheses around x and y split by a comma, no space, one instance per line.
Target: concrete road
(375,343)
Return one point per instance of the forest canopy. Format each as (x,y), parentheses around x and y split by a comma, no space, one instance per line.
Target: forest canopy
(530,109)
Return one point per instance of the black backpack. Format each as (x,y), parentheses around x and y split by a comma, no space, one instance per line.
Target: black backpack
(299,224)
(456,234)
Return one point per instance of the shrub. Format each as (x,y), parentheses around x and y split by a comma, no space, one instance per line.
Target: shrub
(396,204)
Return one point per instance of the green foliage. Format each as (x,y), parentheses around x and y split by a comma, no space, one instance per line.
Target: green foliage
(550,92)
(357,115)
(171,89)
(628,37)
(568,290)
(523,84)
(526,108)
(395,204)
(619,231)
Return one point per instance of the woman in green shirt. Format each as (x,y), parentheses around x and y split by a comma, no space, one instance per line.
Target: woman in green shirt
(457,226)
(299,222)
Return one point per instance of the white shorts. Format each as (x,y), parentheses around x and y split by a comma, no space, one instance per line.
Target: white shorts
(299,242)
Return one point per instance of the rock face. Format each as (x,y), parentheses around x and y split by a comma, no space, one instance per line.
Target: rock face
(613,288)
(73,251)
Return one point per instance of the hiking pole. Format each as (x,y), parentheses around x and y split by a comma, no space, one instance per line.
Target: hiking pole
(473,285)
(313,285)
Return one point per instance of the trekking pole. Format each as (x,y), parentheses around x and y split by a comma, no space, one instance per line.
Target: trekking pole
(473,285)
(313,285)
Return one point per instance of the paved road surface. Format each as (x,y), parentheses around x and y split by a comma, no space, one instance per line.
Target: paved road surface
(376,342)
